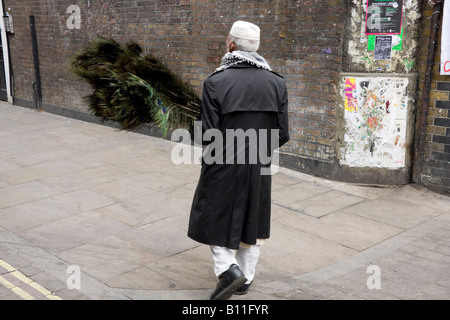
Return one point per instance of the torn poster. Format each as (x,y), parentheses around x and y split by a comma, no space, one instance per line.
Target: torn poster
(375,114)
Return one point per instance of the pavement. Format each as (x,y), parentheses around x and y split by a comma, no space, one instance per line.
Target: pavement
(89,212)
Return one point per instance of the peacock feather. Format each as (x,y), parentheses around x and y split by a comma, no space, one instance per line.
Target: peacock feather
(133,89)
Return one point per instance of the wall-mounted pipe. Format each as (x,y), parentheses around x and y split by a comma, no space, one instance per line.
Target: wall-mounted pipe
(6,55)
(37,89)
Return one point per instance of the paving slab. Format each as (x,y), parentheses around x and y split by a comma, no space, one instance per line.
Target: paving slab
(107,257)
(291,251)
(398,213)
(73,231)
(344,228)
(13,195)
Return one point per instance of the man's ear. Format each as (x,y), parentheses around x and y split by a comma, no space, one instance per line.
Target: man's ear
(232,47)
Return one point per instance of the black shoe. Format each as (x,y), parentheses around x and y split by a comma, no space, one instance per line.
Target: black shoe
(229,281)
(244,289)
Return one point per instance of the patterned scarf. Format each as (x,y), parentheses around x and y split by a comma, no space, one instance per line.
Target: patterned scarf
(236,57)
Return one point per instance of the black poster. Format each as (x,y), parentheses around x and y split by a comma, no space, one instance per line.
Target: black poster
(383,47)
(384,17)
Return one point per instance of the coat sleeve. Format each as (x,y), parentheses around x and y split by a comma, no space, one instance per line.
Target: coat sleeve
(210,112)
(283,119)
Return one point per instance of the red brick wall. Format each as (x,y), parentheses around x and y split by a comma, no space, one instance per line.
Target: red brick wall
(56,44)
(302,40)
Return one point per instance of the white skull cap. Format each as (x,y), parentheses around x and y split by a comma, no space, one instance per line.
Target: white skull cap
(245,30)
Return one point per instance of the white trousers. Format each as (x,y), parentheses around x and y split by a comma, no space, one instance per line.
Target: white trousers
(246,258)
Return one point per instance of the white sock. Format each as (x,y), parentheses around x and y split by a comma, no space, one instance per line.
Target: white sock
(223,259)
(247,259)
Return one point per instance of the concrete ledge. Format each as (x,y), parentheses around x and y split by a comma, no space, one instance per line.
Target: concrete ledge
(313,167)
(85,116)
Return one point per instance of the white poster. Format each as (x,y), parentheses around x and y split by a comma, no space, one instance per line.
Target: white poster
(445,40)
(375,122)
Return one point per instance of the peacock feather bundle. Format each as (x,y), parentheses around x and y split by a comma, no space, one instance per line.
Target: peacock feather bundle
(133,89)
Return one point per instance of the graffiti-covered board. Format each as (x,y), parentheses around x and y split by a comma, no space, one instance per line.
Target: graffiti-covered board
(375,116)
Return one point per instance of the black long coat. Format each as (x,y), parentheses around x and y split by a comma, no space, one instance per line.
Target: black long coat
(232,201)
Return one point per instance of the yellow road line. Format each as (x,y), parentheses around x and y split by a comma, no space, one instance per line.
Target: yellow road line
(20,292)
(6,283)
(27,281)
(44,291)
(6,266)
(19,275)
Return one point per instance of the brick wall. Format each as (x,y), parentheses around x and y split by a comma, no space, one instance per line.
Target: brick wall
(56,44)
(302,40)
(436,160)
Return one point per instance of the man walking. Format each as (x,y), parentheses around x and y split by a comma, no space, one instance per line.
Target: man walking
(231,206)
